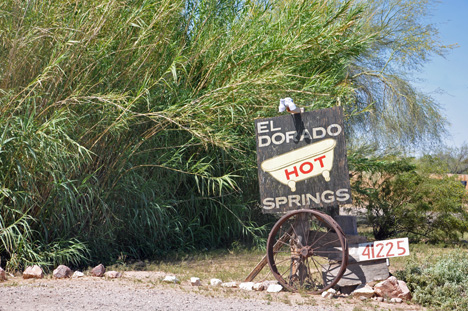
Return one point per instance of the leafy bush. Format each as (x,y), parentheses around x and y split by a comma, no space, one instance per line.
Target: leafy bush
(442,285)
(402,200)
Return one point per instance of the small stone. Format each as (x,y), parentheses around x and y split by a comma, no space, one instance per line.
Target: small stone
(62,272)
(98,271)
(2,275)
(113,274)
(216,282)
(259,287)
(396,300)
(195,281)
(330,293)
(34,272)
(77,274)
(229,284)
(246,285)
(274,288)
(171,279)
(364,291)
(363,298)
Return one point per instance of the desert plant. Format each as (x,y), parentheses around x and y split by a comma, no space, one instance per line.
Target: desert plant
(441,285)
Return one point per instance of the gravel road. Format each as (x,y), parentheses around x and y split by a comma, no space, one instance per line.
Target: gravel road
(141,292)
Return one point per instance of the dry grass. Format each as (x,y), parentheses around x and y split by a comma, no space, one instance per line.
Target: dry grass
(225,265)
(235,266)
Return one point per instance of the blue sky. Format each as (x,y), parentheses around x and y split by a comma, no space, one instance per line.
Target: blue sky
(450,74)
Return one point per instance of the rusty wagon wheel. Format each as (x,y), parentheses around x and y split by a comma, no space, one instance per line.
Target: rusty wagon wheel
(307,251)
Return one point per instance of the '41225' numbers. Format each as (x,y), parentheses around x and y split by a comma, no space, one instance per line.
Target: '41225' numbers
(383,249)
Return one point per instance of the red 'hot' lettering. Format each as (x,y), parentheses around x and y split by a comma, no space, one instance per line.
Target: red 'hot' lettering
(289,173)
(320,159)
(303,167)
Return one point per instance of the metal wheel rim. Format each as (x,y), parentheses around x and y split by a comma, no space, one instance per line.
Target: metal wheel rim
(306,255)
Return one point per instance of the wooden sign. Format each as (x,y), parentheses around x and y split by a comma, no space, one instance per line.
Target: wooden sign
(302,161)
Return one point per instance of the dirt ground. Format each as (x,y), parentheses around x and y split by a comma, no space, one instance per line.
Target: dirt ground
(143,290)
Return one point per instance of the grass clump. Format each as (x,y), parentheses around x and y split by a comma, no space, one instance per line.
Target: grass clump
(442,285)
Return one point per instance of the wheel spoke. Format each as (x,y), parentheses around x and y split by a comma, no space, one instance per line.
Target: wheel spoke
(328,252)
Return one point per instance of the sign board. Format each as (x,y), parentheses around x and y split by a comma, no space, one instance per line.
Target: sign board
(302,161)
(383,249)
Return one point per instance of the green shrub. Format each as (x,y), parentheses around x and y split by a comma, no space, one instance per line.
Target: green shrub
(442,285)
(403,200)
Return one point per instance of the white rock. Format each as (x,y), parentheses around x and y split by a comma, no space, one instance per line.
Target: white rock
(171,279)
(77,274)
(246,285)
(195,281)
(216,282)
(259,287)
(330,293)
(229,284)
(396,300)
(112,274)
(33,272)
(274,288)
(364,291)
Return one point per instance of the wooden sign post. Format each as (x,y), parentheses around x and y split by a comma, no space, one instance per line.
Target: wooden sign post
(301,166)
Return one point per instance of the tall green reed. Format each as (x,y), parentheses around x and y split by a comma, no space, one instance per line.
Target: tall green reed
(127,125)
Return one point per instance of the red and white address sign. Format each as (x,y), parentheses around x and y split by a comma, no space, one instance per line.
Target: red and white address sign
(383,249)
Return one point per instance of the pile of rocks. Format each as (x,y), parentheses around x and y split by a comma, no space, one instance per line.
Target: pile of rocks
(390,290)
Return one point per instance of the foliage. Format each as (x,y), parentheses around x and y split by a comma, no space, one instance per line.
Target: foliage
(393,113)
(126,126)
(401,200)
(453,159)
(442,285)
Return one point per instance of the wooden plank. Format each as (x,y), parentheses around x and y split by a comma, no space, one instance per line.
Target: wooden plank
(348,223)
(264,260)
(256,270)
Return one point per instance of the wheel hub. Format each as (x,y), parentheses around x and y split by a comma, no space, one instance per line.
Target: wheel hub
(306,251)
